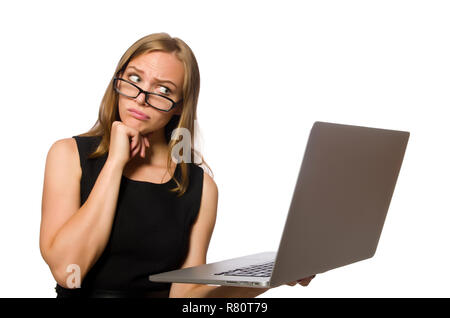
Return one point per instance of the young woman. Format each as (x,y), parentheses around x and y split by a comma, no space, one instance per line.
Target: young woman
(116,207)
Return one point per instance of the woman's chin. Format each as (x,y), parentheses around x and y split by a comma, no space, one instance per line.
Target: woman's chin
(138,126)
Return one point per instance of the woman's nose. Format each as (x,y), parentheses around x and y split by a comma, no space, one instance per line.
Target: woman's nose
(140,99)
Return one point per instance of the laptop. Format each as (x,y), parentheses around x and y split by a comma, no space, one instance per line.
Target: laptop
(338,208)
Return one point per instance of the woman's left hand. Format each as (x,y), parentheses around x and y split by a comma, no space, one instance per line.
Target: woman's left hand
(304,281)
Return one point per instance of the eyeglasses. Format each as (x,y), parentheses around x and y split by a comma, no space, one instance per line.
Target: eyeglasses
(128,89)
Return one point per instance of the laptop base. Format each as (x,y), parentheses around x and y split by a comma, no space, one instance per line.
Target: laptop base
(207,274)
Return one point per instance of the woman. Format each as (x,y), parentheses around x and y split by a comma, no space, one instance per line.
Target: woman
(116,207)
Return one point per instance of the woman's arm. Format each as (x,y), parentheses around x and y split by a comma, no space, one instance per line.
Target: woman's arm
(200,236)
(198,247)
(71,234)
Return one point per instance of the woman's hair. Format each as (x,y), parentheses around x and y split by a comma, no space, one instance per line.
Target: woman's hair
(109,111)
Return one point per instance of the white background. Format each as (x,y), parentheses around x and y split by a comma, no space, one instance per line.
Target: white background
(268,71)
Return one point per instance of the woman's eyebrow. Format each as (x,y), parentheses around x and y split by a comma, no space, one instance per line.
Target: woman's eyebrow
(157,79)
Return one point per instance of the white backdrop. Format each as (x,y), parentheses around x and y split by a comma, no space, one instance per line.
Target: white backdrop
(268,71)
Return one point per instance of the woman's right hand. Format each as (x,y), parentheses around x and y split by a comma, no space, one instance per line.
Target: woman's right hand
(121,148)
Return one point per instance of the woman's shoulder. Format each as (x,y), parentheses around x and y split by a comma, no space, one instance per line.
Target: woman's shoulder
(64,151)
(76,149)
(86,143)
(70,143)
(197,171)
(64,145)
(205,177)
(195,167)
(87,139)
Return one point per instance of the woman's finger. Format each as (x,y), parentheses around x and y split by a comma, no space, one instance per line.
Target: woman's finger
(307,278)
(136,148)
(142,149)
(133,142)
(304,283)
(134,152)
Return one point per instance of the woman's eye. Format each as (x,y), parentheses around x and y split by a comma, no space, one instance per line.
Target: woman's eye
(164,90)
(134,78)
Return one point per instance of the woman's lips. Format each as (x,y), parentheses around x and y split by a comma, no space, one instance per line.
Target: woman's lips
(137,114)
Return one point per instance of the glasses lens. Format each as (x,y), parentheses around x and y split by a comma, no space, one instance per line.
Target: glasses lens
(159,102)
(132,91)
(127,89)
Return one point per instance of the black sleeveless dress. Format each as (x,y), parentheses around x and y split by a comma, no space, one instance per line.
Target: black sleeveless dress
(150,232)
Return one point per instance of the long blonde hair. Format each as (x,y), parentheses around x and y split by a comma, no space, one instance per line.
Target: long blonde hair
(109,111)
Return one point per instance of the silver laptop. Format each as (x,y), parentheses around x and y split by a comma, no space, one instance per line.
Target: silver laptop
(336,215)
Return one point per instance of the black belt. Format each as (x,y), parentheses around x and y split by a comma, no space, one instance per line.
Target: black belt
(101,293)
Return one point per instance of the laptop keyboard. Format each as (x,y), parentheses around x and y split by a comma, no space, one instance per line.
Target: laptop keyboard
(260,270)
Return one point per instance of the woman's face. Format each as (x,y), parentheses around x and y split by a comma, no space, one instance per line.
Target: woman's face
(158,72)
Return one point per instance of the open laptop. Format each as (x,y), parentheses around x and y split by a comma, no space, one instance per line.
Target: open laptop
(336,215)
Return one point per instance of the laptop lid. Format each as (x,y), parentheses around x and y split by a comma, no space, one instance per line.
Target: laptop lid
(343,191)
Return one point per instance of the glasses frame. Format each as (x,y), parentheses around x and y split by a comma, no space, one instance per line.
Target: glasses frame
(174,104)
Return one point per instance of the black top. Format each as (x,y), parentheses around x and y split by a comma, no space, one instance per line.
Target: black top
(150,232)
